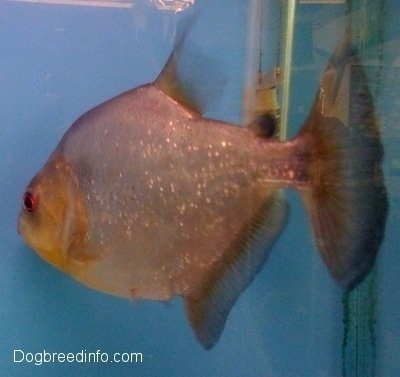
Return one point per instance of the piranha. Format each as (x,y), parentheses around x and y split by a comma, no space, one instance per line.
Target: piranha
(145,198)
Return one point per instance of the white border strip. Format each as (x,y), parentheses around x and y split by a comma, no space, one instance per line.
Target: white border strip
(86,3)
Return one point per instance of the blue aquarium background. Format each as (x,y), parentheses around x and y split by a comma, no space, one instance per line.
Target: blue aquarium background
(60,58)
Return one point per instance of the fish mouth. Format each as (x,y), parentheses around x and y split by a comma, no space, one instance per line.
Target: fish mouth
(20,224)
(23,229)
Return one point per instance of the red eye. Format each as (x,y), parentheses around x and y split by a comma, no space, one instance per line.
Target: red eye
(29,202)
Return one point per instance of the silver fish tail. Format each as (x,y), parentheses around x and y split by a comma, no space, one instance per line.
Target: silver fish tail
(346,197)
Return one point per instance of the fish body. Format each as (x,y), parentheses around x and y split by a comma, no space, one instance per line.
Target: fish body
(145,198)
(160,201)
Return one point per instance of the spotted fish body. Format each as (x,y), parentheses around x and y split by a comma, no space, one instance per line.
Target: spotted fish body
(168,200)
(145,198)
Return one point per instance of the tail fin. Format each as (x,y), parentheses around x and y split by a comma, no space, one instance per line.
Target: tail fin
(347,199)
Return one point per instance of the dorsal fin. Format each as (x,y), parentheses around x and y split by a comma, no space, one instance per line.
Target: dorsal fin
(169,82)
(188,77)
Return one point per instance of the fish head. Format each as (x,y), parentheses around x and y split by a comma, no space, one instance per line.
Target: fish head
(50,219)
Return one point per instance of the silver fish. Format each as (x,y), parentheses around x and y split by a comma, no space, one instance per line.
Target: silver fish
(145,198)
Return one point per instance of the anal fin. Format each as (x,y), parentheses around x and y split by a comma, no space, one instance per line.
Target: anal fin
(209,304)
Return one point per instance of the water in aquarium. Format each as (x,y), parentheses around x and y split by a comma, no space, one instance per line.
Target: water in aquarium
(233,216)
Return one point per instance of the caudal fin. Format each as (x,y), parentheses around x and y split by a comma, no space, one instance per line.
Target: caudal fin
(347,199)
